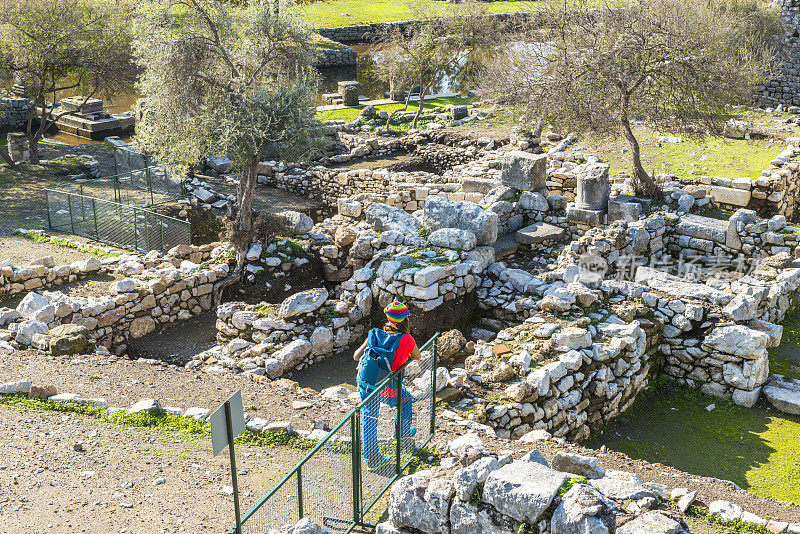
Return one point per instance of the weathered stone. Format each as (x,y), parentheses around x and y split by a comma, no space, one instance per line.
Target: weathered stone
(593,188)
(296,223)
(524,171)
(440,212)
(384,217)
(783,393)
(522,490)
(420,503)
(141,326)
(304,302)
(539,232)
(467,478)
(583,510)
(68,339)
(577,465)
(651,523)
(453,238)
(466,518)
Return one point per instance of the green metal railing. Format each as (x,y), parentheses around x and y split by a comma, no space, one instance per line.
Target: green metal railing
(114,223)
(145,173)
(333,484)
(136,189)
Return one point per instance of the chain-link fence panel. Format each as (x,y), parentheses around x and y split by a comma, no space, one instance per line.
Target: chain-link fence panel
(348,472)
(117,224)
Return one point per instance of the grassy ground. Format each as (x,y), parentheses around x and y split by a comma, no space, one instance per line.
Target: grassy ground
(712,156)
(351,114)
(330,14)
(785,359)
(755,448)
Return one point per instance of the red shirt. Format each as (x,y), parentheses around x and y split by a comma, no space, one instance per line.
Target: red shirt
(401,355)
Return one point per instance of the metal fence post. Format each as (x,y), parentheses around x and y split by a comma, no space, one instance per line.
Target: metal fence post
(71,219)
(433,383)
(47,202)
(356,458)
(234,478)
(135,230)
(161,226)
(398,432)
(299,492)
(94,211)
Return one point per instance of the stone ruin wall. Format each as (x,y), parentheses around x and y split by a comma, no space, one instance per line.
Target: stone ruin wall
(785,87)
(158,290)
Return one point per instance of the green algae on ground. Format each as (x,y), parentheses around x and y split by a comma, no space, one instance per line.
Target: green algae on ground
(754,447)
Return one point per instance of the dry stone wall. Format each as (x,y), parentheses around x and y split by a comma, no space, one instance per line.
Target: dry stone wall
(135,306)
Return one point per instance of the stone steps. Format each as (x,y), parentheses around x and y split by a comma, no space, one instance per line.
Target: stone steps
(539,232)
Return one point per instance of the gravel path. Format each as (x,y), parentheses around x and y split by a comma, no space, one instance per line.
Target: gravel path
(123,480)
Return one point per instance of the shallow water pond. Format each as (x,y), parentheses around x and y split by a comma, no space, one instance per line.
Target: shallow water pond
(756,448)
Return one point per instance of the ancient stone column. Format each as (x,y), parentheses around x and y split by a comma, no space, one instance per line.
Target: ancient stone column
(591,196)
(593,188)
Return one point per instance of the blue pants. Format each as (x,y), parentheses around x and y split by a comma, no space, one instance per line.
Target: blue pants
(369,418)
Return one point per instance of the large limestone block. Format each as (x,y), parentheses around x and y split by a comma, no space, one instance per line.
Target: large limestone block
(522,490)
(651,523)
(729,195)
(783,393)
(524,170)
(440,212)
(738,340)
(384,217)
(468,519)
(420,503)
(304,302)
(583,510)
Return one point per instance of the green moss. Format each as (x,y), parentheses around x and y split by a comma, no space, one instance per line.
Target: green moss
(732,527)
(754,447)
(785,358)
(567,485)
(266,309)
(289,244)
(323,43)
(154,419)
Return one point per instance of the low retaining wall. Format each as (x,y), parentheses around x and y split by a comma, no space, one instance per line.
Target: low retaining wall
(134,306)
(344,57)
(14,113)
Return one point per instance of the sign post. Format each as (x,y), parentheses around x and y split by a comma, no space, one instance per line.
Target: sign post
(227,422)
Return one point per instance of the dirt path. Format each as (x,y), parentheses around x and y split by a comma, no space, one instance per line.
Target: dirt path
(123,382)
(125,480)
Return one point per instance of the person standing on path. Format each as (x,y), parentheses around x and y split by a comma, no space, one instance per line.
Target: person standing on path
(383,352)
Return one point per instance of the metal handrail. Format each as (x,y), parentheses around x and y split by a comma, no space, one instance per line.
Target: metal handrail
(397,375)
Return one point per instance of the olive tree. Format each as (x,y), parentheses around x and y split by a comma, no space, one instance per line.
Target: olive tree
(226,80)
(57,46)
(676,65)
(456,41)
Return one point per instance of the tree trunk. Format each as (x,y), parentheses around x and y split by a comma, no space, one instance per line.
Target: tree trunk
(34,150)
(7,157)
(643,183)
(421,103)
(241,230)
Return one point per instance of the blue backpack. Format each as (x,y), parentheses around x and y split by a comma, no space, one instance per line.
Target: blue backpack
(376,363)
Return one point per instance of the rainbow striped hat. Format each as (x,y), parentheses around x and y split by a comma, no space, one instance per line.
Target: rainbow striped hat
(396,312)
